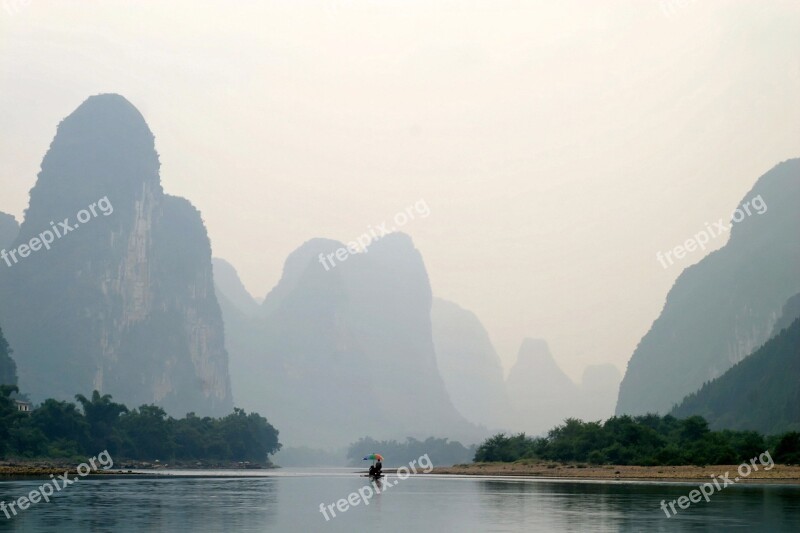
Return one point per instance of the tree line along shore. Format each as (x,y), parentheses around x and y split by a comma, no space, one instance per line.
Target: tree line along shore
(59,432)
(55,434)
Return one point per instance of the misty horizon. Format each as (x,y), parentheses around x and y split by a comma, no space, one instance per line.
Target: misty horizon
(542,158)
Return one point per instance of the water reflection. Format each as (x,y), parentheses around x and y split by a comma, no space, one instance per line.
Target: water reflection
(618,506)
(148,505)
(432,503)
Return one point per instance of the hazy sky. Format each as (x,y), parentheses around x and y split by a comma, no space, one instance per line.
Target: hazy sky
(559,145)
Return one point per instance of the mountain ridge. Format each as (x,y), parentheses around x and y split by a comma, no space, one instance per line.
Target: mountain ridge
(124,302)
(722,308)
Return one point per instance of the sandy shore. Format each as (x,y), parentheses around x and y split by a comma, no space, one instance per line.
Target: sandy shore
(777,474)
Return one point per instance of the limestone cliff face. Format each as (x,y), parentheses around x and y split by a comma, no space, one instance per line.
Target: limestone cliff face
(125,302)
(724,307)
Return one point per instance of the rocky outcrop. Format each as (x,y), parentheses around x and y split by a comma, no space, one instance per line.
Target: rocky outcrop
(124,302)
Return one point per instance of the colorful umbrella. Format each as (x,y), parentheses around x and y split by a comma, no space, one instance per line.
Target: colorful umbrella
(374,457)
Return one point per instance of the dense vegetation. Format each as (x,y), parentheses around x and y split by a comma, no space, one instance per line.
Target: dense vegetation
(62,429)
(441,452)
(644,440)
(761,393)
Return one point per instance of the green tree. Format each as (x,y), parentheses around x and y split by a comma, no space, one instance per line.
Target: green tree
(249,437)
(9,417)
(150,433)
(102,414)
(788,448)
(64,425)
(693,428)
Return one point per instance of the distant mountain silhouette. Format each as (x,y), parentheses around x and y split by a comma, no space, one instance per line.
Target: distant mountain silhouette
(9,228)
(725,306)
(543,396)
(469,365)
(244,336)
(227,279)
(599,389)
(124,303)
(342,353)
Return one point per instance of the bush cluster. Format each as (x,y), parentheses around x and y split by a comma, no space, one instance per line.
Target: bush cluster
(647,440)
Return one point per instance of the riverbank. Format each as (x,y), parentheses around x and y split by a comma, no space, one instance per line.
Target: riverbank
(39,468)
(778,474)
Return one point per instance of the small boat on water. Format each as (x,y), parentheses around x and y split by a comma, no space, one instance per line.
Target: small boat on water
(376,470)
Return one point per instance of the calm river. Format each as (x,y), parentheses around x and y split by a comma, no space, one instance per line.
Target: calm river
(289,500)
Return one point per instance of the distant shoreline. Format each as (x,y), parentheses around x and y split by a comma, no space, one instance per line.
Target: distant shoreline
(779,474)
(44,468)
(784,474)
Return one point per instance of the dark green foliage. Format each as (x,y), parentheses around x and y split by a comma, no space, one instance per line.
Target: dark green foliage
(646,440)
(247,436)
(150,433)
(761,393)
(62,421)
(102,416)
(9,416)
(60,429)
(506,449)
(441,452)
(788,448)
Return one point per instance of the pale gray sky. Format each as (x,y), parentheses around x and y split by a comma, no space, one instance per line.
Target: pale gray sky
(559,145)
